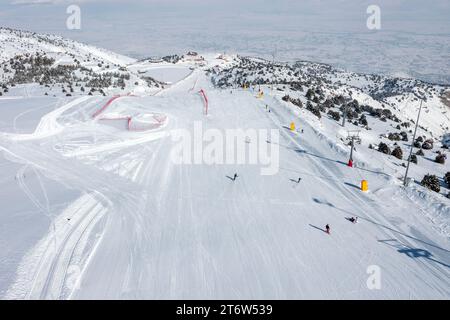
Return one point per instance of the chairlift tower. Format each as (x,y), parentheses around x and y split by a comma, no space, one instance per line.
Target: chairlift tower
(344,112)
(344,115)
(274,54)
(405,180)
(353,137)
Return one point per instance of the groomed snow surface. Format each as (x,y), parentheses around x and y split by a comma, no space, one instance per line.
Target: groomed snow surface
(92,210)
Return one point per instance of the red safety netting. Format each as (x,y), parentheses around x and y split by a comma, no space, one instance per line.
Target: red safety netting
(205,98)
(127,122)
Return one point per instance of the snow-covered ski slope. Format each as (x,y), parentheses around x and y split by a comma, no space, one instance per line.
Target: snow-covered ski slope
(139,226)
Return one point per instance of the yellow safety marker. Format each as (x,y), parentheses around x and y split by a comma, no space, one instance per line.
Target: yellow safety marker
(292,126)
(364,185)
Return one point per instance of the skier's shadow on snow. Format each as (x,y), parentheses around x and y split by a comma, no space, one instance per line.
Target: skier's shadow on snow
(315,227)
(319,201)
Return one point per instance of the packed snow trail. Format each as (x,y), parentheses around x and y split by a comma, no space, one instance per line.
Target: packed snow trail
(188,232)
(203,236)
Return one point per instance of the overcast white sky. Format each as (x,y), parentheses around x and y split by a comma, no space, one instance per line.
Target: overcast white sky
(414,34)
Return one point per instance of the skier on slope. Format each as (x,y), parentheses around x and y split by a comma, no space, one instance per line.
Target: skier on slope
(354,219)
(235,176)
(299,179)
(327,228)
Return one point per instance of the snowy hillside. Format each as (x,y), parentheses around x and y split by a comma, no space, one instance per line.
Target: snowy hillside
(64,66)
(94,205)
